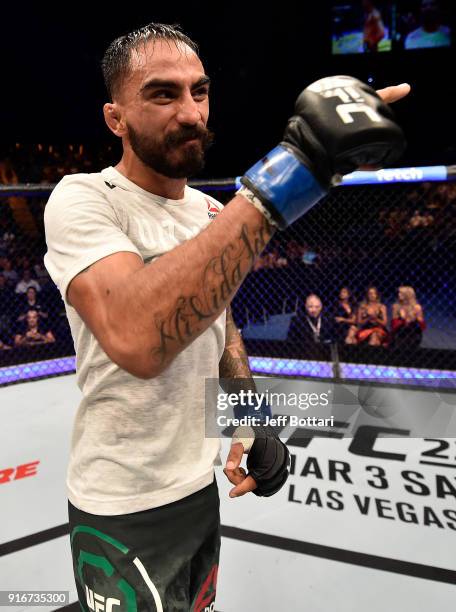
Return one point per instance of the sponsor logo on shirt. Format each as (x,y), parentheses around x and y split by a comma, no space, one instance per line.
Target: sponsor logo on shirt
(212,209)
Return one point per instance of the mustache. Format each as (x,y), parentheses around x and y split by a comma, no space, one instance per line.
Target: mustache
(191,133)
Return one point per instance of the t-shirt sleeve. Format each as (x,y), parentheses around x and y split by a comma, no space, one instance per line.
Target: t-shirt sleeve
(81,228)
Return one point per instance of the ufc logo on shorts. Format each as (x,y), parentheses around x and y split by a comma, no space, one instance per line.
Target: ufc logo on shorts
(98,603)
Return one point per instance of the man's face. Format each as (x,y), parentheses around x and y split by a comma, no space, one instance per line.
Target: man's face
(165,104)
(32,318)
(31,293)
(313,306)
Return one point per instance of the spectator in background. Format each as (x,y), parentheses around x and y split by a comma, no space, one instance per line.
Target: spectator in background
(33,332)
(345,317)
(9,273)
(431,33)
(421,219)
(416,220)
(407,324)
(23,262)
(6,237)
(278,254)
(41,274)
(7,302)
(273,257)
(428,218)
(28,302)
(6,294)
(294,251)
(372,320)
(373,28)
(311,327)
(26,282)
(269,259)
(3,346)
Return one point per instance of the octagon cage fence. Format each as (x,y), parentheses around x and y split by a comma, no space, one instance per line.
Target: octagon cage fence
(387,237)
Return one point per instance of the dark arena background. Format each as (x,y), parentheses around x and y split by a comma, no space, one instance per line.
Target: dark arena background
(392,230)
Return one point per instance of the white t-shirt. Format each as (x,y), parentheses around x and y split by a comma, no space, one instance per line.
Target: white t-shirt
(136,443)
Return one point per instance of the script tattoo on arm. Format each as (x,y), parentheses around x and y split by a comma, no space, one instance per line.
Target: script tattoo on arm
(220,279)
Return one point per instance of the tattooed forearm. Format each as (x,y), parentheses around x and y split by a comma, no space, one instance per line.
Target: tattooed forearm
(219,281)
(234,362)
(234,370)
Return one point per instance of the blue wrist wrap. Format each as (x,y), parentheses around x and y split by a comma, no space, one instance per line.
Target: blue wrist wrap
(284,185)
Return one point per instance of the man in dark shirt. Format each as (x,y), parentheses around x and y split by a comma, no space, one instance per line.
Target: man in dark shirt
(310,328)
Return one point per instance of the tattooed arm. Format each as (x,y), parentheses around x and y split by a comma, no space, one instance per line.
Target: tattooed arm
(235,376)
(234,364)
(143,316)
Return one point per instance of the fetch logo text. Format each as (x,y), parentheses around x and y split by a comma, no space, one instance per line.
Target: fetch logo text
(399,174)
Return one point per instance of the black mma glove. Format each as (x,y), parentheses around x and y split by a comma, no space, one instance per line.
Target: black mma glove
(268,459)
(339,124)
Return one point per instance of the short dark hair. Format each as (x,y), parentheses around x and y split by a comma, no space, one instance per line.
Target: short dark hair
(116,60)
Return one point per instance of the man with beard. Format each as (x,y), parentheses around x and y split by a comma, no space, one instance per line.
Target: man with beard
(147,282)
(432,32)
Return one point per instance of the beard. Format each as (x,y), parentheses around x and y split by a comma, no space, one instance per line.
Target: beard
(171,157)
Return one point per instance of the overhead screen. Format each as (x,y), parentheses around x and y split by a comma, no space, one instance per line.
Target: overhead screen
(363,26)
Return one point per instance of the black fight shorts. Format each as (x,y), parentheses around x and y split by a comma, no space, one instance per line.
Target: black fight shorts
(163,559)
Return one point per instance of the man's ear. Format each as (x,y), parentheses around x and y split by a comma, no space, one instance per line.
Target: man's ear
(114,118)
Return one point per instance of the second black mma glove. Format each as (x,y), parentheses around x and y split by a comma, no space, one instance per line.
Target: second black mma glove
(268,457)
(339,124)
(268,461)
